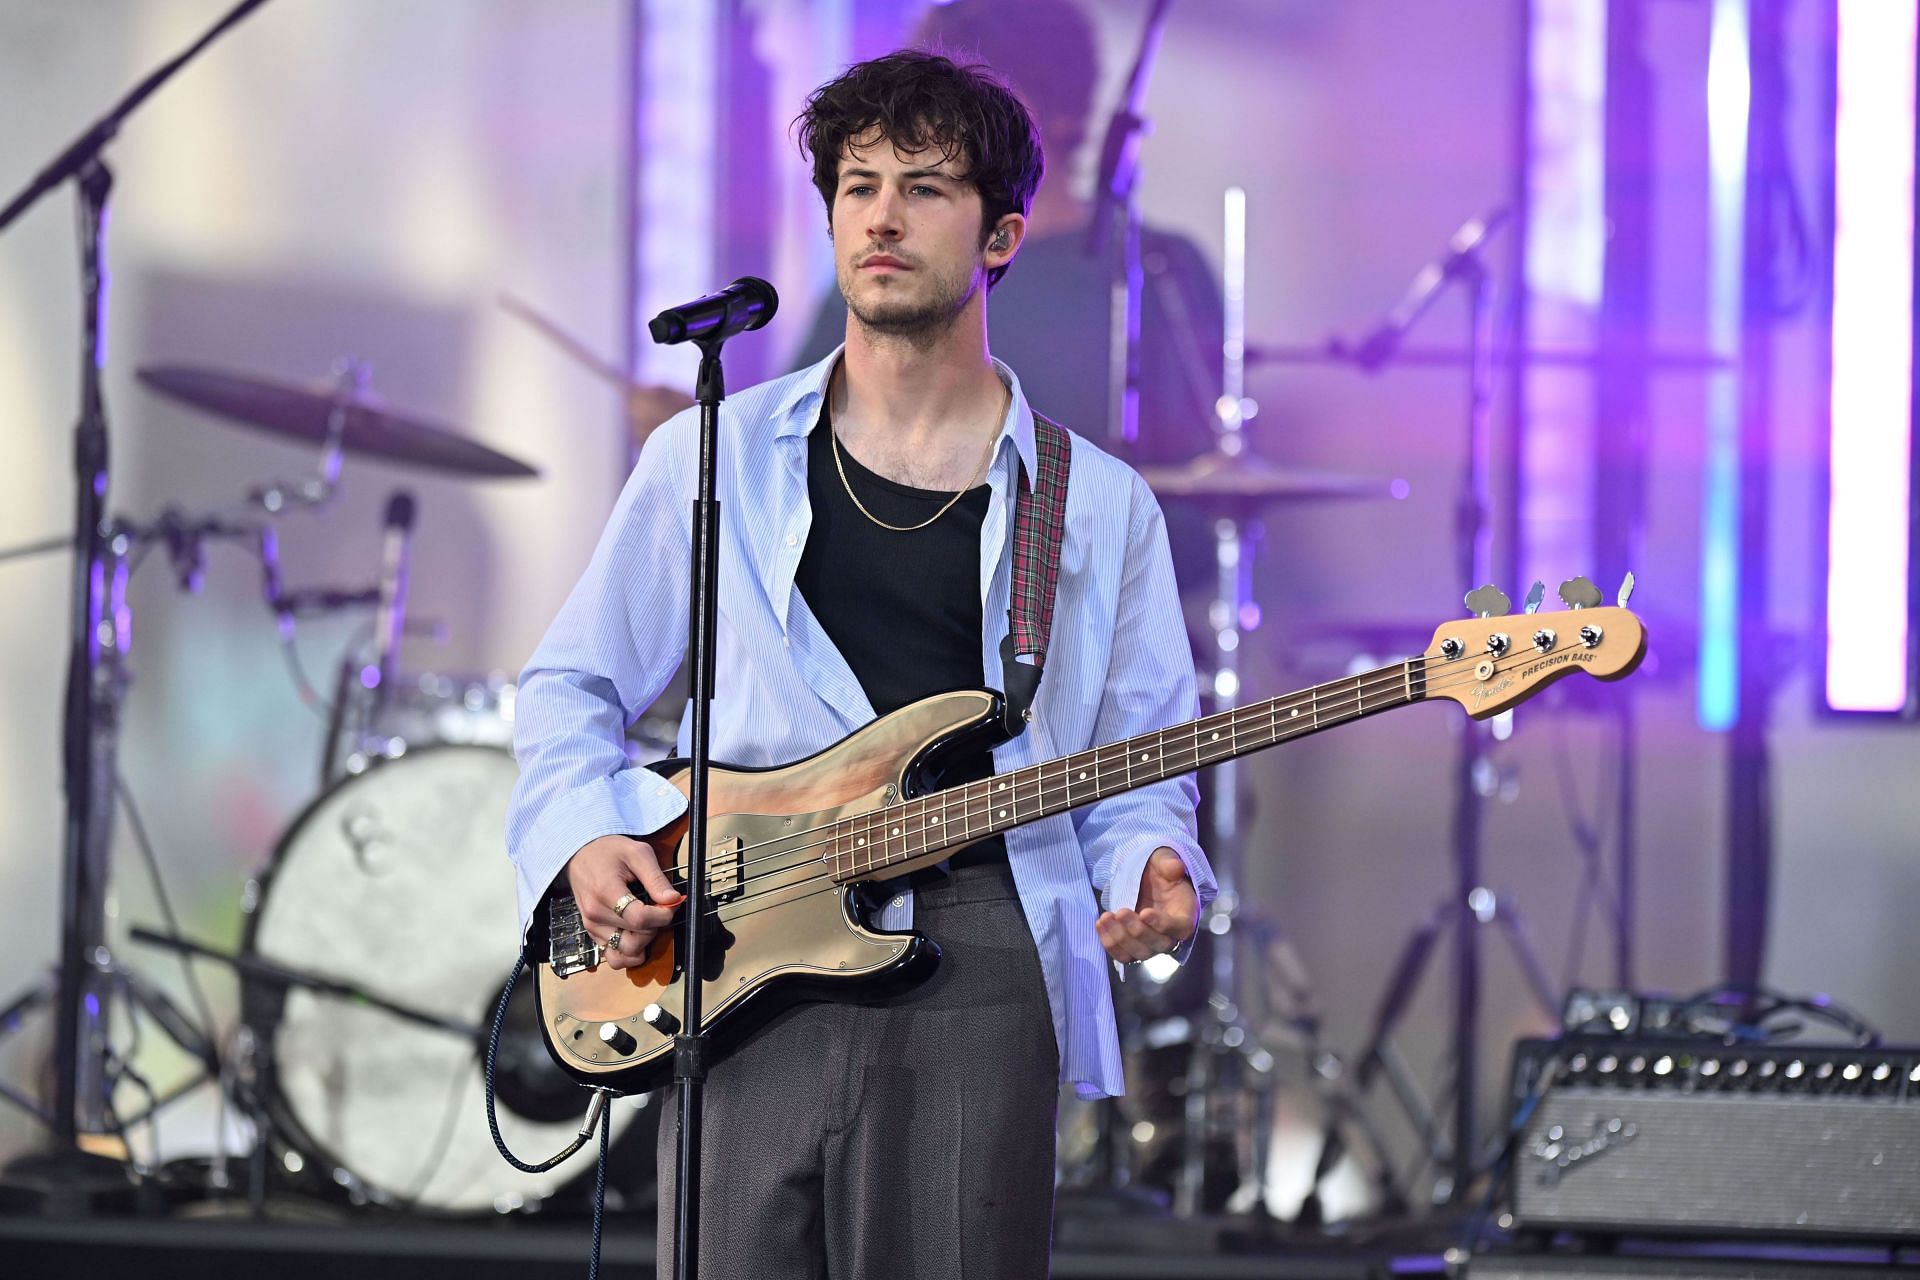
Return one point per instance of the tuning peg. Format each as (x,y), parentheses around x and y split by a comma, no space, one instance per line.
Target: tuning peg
(1535,594)
(1580,593)
(1488,602)
(1626,589)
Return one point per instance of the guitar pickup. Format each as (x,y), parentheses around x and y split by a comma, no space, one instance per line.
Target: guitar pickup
(569,949)
(723,868)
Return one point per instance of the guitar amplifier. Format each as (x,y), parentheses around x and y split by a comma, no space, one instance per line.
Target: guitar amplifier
(1662,1136)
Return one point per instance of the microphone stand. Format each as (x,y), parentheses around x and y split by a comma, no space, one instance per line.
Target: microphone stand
(690,1046)
(63,1172)
(1117,204)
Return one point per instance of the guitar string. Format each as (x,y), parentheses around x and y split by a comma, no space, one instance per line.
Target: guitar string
(715,911)
(1378,682)
(1335,710)
(1394,677)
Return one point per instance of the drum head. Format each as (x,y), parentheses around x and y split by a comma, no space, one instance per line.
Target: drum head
(397,881)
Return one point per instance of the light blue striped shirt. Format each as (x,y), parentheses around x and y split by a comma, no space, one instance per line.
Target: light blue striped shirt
(1118,664)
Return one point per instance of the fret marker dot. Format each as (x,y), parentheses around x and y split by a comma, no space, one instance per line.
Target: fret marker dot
(861,840)
(1083,775)
(896,831)
(1215,738)
(1294,712)
(1003,813)
(1003,786)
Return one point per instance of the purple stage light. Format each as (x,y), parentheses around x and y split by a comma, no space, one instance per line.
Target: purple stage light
(1870,451)
(1729,103)
(1565,269)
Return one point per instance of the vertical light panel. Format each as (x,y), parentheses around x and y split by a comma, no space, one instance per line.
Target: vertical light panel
(676,227)
(803,44)
(1565,271)
(1870,454)
(1729,90)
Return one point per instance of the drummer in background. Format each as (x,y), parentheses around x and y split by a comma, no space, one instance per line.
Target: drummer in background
(1050,318)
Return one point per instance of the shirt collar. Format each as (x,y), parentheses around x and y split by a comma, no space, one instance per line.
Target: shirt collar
(799,410)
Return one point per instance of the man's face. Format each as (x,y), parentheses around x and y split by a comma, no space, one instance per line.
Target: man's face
(906,236)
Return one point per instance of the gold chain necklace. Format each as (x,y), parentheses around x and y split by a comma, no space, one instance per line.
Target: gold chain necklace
(834,433)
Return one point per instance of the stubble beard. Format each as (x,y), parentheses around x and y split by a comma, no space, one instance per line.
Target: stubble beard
(919,322)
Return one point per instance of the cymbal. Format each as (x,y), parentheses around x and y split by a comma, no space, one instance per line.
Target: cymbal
(302,413)
(1248,478)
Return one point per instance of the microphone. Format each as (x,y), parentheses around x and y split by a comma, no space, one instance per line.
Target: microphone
(746,304)
(395,553)
(1378,347)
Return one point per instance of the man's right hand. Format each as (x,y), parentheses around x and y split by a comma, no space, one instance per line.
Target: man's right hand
(603,871)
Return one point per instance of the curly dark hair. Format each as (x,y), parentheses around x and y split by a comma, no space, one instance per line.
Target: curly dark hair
(920,101)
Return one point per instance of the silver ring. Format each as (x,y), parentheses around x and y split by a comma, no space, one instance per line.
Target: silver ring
(621,904)
(613,940)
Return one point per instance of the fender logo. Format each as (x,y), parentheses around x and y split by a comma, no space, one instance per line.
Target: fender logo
(1559,1152)
(1487,691)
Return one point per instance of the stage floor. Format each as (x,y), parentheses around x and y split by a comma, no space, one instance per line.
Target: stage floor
(40,1248)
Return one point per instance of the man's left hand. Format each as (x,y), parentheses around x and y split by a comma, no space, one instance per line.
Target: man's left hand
(1165,917)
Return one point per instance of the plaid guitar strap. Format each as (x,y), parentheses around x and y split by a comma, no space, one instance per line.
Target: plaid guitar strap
(1039,523)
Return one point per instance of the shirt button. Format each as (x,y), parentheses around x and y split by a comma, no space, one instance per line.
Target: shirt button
(793,539)
(899,900)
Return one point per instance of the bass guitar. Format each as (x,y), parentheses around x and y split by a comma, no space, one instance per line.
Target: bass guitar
(789,845)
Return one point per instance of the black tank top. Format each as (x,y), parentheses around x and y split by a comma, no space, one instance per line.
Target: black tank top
(902,608)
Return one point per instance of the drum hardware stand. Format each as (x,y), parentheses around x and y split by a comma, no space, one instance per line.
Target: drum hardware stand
(122,544)
(1472,905)
(247,1078)
(288,977)
(1117,209)
(63,1173)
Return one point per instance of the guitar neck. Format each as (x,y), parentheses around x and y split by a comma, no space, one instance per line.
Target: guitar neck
(916,833)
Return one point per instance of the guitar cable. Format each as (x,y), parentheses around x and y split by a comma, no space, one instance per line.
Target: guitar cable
(599,1115)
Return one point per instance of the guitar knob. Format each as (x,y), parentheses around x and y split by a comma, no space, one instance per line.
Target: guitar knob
(1543,640)
(615,1037)
(1590,635)
(1498,643)
(1451,647)
(660,1020)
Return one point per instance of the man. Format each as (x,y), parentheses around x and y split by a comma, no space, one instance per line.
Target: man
(865,564)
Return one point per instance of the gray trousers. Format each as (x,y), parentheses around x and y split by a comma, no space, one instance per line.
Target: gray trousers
(912,1137)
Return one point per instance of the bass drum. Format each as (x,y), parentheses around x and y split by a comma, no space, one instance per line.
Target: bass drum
(396,881)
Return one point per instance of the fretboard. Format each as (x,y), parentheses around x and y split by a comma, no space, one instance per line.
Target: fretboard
(913,833)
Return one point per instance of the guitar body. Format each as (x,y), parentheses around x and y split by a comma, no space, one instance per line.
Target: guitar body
(785,932)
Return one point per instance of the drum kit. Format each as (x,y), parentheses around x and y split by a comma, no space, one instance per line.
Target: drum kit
(354,1070)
